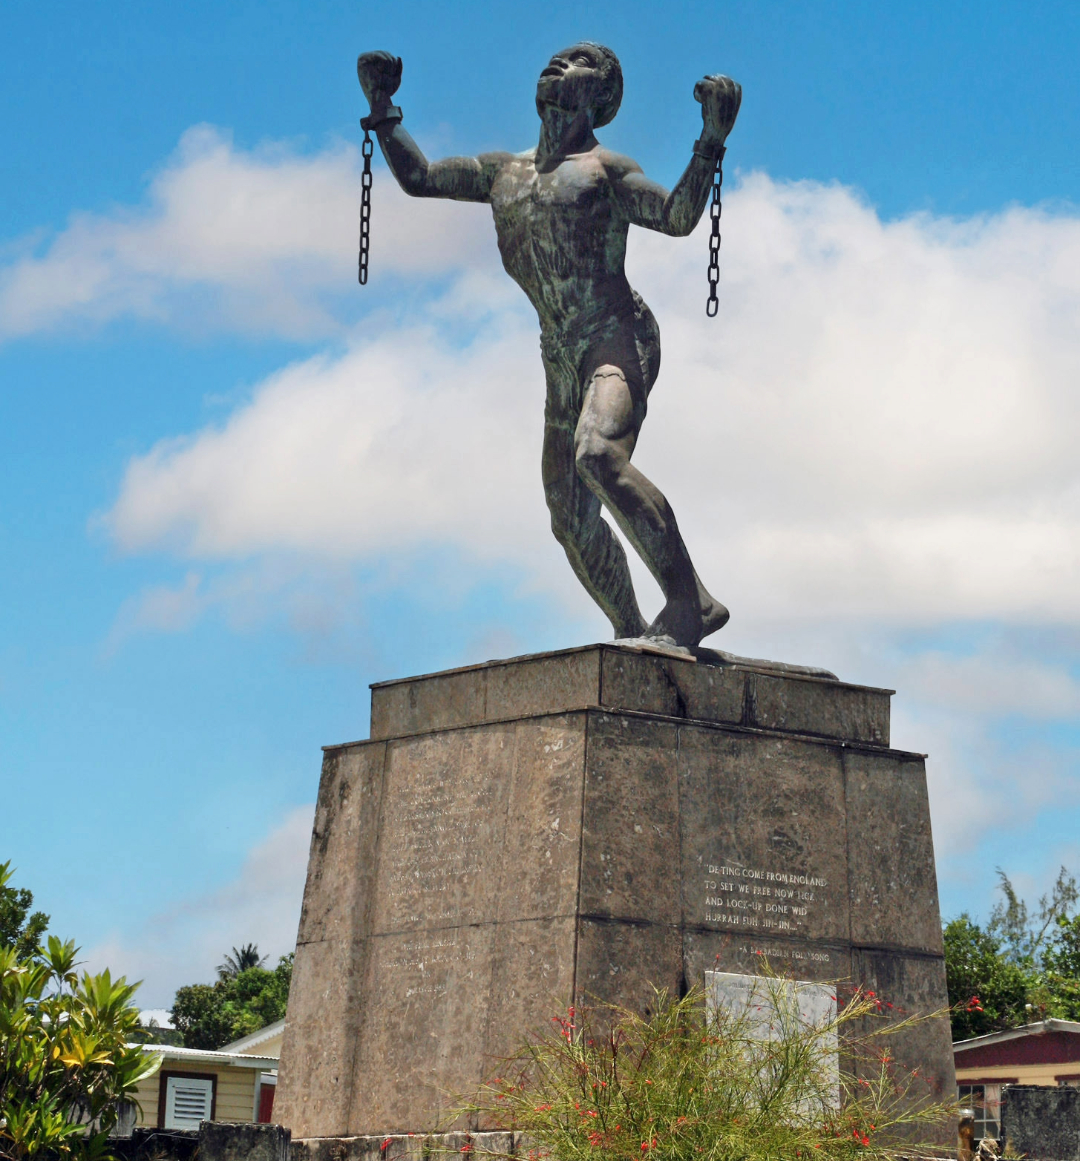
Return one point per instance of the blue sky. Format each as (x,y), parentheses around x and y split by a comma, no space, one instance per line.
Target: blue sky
(217,522)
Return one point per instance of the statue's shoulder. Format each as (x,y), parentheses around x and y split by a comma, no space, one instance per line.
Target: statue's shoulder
(497,160)
(617,164)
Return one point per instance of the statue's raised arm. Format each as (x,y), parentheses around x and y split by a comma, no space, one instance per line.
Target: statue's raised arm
(466,179)
(647,203)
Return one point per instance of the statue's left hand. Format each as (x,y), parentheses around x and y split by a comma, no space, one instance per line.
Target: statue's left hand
(720,98)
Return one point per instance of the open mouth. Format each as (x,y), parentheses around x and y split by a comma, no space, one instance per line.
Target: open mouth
(551,71)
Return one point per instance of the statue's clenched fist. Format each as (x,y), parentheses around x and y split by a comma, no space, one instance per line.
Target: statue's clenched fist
(720,98)
(380,75)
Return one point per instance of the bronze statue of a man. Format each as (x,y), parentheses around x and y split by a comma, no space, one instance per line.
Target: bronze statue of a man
(562,212)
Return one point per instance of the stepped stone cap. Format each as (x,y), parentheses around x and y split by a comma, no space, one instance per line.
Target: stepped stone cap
(621,679)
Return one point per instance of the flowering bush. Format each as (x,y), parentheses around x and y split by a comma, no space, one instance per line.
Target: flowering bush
(66,1063)
(691,1084)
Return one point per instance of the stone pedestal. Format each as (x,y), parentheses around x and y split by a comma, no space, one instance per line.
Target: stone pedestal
(520,835)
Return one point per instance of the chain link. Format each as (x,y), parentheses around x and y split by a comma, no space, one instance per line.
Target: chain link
(712,305)
(366,151)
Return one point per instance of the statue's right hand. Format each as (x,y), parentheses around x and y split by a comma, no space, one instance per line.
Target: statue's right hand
(380,75)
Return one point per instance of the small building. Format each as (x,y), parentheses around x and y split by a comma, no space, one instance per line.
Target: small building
(1046,1053)
(233,1083)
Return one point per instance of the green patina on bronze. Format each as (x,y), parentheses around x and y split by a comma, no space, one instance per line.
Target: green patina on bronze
(562,213)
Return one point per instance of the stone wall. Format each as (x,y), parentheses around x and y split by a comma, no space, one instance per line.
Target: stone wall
(1042,1122)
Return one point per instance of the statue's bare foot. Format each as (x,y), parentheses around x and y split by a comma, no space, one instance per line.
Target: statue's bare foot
(714,616)
(687,622)
(679,621)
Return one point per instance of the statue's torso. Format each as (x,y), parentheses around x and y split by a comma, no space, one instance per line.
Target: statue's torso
(562,238)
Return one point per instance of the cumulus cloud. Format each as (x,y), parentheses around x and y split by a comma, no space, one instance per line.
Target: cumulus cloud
(184,943)
(880,425)
(256,241)
(162,609)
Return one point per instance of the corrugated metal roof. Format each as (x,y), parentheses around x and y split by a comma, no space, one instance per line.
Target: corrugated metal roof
(1039,1029)
(236,1059)
(255,1038)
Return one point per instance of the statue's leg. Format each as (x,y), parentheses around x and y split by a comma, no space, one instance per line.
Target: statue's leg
(594,551)
(611,417)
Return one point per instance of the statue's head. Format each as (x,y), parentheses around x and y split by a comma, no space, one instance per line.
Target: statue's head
(584,76)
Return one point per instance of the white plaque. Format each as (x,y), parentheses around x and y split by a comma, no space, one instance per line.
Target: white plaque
(752,997)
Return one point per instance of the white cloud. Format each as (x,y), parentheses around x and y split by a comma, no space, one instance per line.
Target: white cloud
(184,943)
(881,424)
(163,609)
(993,681)
(251,241)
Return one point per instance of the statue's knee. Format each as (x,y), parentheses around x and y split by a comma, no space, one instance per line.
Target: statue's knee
(598,461)
(608,375)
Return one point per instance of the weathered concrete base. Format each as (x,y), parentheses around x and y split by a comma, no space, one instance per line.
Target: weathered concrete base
(405,1146)
(227,1141)
(523,835)
(150,1144)
(1041,1122)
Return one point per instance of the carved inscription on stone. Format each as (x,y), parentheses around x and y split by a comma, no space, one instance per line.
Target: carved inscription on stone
(765,899)
(424,965)
(778,951)
(433,850)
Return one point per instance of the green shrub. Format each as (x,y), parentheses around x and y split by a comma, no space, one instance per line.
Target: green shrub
(210,1015)
(686,1083)
(65,1061)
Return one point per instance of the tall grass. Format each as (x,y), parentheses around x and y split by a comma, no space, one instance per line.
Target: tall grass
(688,1083)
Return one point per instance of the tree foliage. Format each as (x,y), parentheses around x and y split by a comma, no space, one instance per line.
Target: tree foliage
(19,929)
(1058,991)
(240,961)
(65,1063)
(988,992)
(686,1082)
(1024,966)
(1024,932)
(210,1015)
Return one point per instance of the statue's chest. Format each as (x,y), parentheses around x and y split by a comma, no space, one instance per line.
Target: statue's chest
(576,192)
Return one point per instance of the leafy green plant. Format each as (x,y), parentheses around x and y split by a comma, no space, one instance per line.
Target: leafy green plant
(241,959)
(1022,966)
(210,1015)
(18,927)
(65,1061)
(988,990)
(1023,931)
(687,1083)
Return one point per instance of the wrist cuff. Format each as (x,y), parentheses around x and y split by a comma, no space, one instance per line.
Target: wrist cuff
(709,150)
(373,120)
